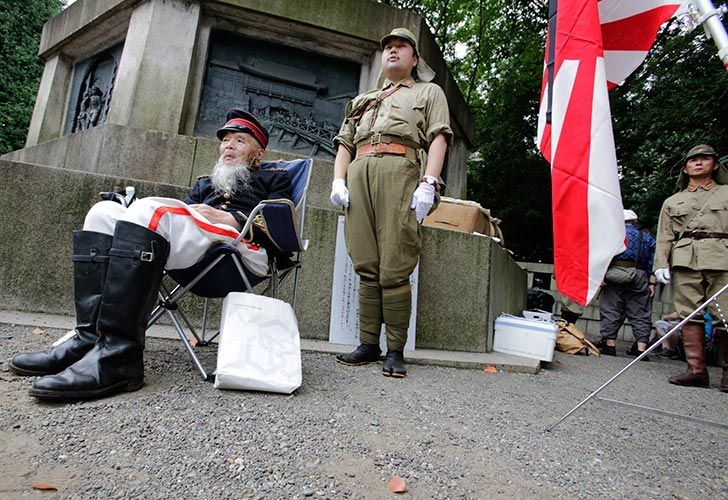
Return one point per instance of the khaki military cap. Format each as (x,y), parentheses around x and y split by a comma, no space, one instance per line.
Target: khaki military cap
(423,72)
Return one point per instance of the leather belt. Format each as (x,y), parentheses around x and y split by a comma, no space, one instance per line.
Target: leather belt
(387,149)
(382,144)
(625,263)
(701,235)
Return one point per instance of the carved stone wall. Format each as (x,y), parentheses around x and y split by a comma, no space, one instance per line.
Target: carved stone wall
(299,96)
(91,90)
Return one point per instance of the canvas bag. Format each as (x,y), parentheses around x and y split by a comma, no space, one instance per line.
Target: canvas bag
(619,275)
(260,346)
(571,340)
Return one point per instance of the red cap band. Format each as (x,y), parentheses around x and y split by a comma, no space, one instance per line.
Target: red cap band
(257,132)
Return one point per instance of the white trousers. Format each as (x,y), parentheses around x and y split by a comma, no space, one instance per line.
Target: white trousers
(189,233)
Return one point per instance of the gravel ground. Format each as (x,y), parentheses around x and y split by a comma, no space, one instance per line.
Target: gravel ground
(449,433)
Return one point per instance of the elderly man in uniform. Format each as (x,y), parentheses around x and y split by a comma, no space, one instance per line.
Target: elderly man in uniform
(692,252)
(391,149)
(121,252)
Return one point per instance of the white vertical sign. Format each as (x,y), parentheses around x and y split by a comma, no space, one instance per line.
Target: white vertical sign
(344,325)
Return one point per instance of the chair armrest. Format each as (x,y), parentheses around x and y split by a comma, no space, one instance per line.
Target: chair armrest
(248,224)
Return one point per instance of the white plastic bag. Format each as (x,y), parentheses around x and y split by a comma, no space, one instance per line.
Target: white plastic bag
(260,347)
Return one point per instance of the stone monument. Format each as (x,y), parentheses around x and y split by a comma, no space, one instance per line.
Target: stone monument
(133,91)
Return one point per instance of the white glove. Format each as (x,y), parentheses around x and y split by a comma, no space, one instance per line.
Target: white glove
(422,200)
(663,275)
(339,194)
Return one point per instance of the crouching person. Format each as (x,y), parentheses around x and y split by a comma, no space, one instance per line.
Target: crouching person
(120,255)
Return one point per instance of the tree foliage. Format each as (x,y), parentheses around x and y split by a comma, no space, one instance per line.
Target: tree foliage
(676,100)
(494,49)
(21,24)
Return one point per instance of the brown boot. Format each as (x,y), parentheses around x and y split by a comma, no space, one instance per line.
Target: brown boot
(696,375)
(724,348)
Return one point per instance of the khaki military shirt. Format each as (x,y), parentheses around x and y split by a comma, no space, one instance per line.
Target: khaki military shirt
(417,112)
(693,209)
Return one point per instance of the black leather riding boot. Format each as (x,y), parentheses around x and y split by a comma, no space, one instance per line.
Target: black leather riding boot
(90,261)
(116,363)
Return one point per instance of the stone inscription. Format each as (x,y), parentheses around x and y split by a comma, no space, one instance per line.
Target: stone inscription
(299,96)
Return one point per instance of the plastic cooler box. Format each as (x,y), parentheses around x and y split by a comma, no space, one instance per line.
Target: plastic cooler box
(530,338)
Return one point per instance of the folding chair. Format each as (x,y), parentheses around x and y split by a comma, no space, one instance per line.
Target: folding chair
(221,270)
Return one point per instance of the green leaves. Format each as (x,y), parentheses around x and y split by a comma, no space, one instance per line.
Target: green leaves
(21,23)
(676,100)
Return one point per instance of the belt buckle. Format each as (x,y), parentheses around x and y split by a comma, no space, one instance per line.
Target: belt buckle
(146,256)
(375,139)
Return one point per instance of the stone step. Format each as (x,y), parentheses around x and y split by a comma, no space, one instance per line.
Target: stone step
(452,359)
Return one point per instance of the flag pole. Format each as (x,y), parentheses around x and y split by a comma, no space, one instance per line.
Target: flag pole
(643,354)
(551,59)
(703,12)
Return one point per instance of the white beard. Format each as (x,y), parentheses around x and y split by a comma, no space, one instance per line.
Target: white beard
(227,178)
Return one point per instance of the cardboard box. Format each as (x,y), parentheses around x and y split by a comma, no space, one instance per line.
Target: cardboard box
(464,216)
(530,338)
(459,215)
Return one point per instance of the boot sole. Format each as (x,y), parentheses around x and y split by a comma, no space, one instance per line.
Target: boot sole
(360,363)
(702,386)
(70,396)
(394,374)
(28,373)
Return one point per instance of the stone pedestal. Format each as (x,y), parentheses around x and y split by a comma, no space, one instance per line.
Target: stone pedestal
(169,50)
(155,66)
(132,93)
(465,281)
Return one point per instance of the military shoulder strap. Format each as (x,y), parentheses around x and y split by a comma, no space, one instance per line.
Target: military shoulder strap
(367,104)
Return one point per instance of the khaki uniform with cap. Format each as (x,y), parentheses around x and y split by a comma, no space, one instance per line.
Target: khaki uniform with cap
(388,133)
(692,242)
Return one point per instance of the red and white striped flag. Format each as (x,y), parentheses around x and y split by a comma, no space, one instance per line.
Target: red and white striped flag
(575,129)
(588,224)
(629,29)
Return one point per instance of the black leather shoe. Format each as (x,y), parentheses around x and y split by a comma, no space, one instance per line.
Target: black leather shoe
(90,262)
(116,363)
(606,350)
(634,351)
(365,353)
(669,353)
(393,365)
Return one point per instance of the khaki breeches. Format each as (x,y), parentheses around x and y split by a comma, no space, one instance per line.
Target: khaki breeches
(382,234)
(692,288)
(383,240)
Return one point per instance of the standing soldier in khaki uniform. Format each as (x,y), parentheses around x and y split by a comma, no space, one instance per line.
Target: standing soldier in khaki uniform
(692,251)
(388,136)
